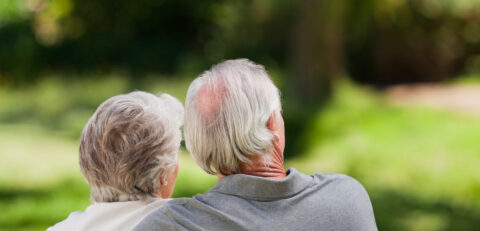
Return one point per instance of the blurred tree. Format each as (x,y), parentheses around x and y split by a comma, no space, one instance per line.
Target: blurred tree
(141,36)
(317,59)
(380,42)
(411,41)
(317,49)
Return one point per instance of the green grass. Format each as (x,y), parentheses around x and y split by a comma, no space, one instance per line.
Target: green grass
(467,79)
(361,134)
(419,165)
(64,103)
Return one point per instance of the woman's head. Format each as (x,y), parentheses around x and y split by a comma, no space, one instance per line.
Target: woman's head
(129,147)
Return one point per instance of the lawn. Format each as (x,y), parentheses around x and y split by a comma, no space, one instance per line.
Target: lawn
(419,165)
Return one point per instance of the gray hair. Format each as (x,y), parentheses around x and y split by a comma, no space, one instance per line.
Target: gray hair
(129,143)
(226,109)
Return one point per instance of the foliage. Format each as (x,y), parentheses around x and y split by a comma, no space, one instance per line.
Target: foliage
(411,41)
(390,41)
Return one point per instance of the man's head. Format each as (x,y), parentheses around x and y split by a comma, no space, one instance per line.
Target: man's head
(128,148)
(233,113)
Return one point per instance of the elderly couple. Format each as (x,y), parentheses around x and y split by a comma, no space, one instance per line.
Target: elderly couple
(234,129)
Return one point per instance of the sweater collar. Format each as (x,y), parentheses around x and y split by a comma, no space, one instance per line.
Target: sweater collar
(260,188)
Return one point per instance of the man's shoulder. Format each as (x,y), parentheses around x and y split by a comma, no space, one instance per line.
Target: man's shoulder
(164,210)
(333,176)
(320,194)
(161,218)
(337,180)
(347,195)
(345,187)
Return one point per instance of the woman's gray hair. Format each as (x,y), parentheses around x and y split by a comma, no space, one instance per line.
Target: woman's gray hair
(129,144)
(227,109)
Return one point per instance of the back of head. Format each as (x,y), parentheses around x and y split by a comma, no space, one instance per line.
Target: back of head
(227,109)
(129,143)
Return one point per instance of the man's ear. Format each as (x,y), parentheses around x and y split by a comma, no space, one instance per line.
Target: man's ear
(271,125)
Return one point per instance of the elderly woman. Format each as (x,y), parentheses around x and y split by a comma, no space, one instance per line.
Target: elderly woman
(128,156)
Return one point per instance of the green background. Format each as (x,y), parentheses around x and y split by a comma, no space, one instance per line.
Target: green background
(334,62)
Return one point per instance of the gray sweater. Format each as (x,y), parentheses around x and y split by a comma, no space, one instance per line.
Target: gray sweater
(243,202)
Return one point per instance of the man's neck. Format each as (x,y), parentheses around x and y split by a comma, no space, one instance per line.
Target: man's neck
(273,168)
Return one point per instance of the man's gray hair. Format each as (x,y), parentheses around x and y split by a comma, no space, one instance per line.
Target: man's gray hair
(226,112)
(129,144)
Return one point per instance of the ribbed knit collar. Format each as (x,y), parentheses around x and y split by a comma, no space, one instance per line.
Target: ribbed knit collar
(260,188)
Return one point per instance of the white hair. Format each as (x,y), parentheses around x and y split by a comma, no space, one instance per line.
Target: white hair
(129,143)
(227,109)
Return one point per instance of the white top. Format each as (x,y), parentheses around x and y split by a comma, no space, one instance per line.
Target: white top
(109,216)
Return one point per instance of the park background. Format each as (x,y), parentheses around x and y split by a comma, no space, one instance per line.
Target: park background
(387,91)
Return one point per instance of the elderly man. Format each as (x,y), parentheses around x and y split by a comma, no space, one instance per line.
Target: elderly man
(234,129)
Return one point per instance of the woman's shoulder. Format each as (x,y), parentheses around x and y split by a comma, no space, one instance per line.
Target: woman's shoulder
(69,223)
(110,215)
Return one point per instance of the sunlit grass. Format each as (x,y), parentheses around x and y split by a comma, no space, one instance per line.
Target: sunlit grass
(427,158)
(64,103)
(399,147)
